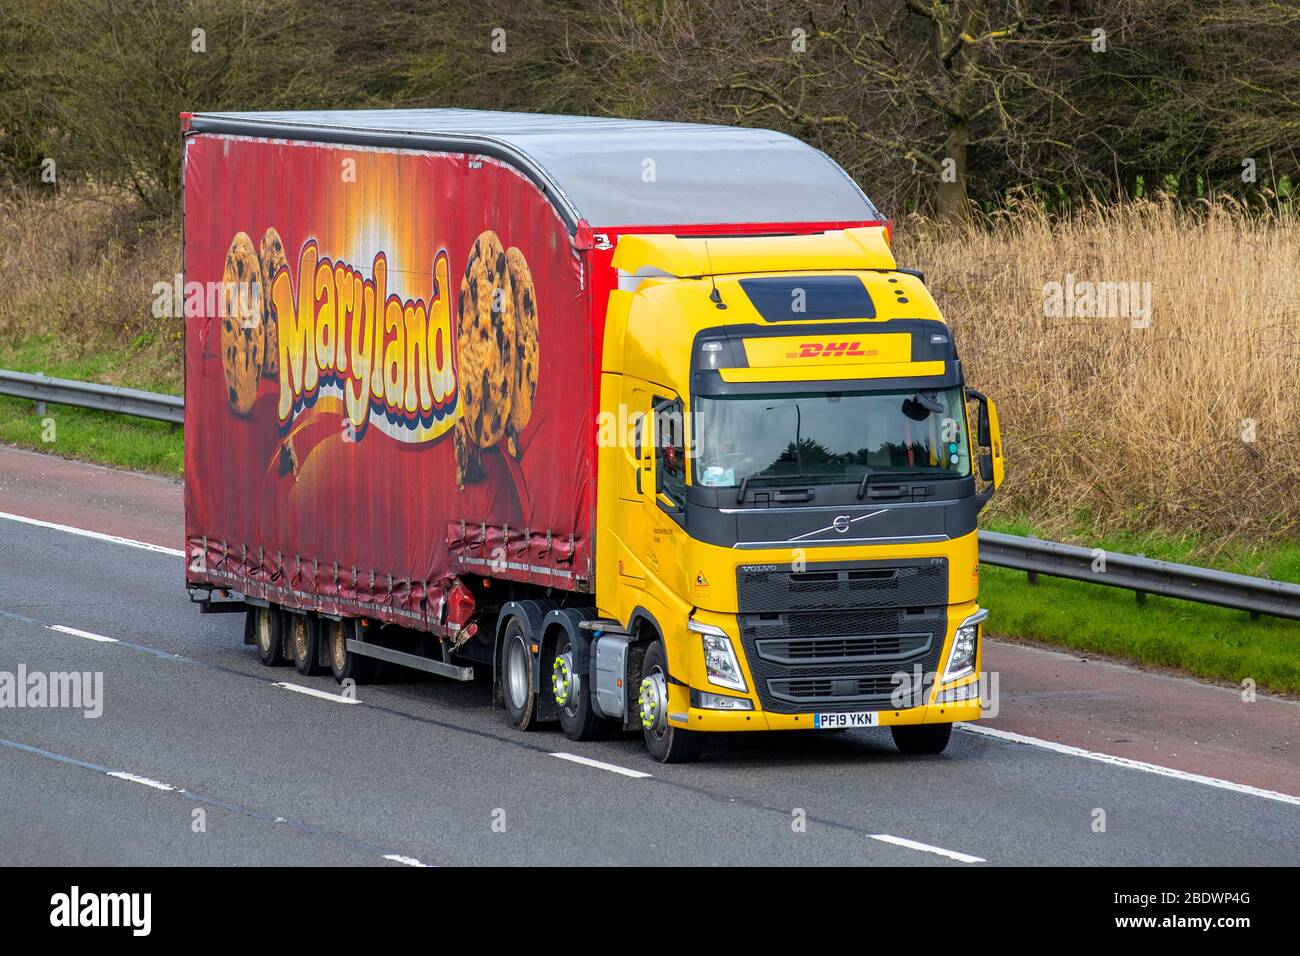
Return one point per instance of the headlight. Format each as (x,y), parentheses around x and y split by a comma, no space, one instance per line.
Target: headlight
(720,702)
(961,659)
(720,662)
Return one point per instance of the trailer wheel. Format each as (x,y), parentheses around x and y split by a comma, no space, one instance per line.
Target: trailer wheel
(267,634)
(304,643)
(666,743)
(578,718)
(921,738)
(517,690)
(343,663)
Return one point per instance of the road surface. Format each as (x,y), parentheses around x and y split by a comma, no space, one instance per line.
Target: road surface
(203,756)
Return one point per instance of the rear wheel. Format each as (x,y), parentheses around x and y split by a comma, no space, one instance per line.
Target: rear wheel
(344,664)
(301,631)
(666,743)
(516,671)
(578,718)
(267,635)
(921,738)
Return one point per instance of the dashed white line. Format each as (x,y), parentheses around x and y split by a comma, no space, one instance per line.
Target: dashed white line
(79,633)
(97,535)
(1131,764)
(601,765)
(313,692)
(927,848)
(143,781)
(405,860)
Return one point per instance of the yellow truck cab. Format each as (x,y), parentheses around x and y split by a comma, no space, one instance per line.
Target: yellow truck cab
(788,498)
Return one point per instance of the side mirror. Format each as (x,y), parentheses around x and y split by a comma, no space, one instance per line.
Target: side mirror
(988,436)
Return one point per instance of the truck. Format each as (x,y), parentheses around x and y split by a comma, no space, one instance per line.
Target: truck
(639,421)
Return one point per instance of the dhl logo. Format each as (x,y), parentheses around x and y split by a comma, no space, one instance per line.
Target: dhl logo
(392,358)
(852,349)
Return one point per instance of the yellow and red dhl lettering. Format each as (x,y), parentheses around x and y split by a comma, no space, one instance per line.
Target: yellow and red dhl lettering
(852,349)
(391,357)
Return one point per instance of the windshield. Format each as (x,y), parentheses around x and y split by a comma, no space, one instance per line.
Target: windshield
(830,437)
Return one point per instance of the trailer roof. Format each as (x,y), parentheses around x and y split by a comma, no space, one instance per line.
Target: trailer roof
(595,168)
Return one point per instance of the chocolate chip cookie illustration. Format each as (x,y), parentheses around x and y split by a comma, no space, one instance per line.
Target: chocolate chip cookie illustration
(469,461)
(525,360)
(486,341)
(243,335)
(271,257)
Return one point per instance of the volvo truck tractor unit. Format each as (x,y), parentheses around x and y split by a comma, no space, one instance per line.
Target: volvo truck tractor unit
(640,421)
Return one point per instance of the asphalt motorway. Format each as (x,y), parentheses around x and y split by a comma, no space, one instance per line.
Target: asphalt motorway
(200,756)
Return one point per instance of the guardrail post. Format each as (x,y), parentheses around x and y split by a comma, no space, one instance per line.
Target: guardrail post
(40,405)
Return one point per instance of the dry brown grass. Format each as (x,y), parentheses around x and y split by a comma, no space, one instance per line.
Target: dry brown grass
(1139,428)
(79,270)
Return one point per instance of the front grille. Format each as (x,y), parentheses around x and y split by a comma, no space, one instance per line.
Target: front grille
(915,583)
(847,649)
(836,636)
(819,690)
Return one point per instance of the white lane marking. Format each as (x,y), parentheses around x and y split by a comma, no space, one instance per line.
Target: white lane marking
(926,848)
(313,692)
(78,633)
(601,765)
(98,536)
(144,781)
(1132,764)
(405,860)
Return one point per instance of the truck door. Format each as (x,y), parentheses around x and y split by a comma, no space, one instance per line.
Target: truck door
(635,483)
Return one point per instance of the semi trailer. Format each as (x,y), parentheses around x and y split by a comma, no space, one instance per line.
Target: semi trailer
(640,421)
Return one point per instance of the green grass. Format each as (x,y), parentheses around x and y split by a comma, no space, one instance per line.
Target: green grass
(1208,642)
(103,437)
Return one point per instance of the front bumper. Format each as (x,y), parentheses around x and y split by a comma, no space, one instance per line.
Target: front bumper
(733,721)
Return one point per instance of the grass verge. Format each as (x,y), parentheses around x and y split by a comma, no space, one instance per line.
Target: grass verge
(1208,642)
(103,437)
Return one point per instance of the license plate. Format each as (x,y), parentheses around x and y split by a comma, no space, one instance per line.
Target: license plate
(864,718)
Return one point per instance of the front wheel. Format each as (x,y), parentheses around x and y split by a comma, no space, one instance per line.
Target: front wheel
(666,743)
(921,738)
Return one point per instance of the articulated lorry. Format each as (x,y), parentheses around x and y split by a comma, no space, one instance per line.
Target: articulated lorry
(640,420)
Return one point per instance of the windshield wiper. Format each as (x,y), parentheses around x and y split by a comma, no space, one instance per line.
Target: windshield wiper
(862,485)
(777,479)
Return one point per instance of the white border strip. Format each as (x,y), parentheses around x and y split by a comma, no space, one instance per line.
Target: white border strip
(926,848)
(405,860)
(144,781)
(313,692)
(98,536)
(1132,764)
(601,765)
(62,629)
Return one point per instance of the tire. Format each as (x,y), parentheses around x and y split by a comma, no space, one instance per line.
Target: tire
(302,635)
(516,669)
(921,738)
(268,634)
(578,718)
(666,743)
(344,665)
